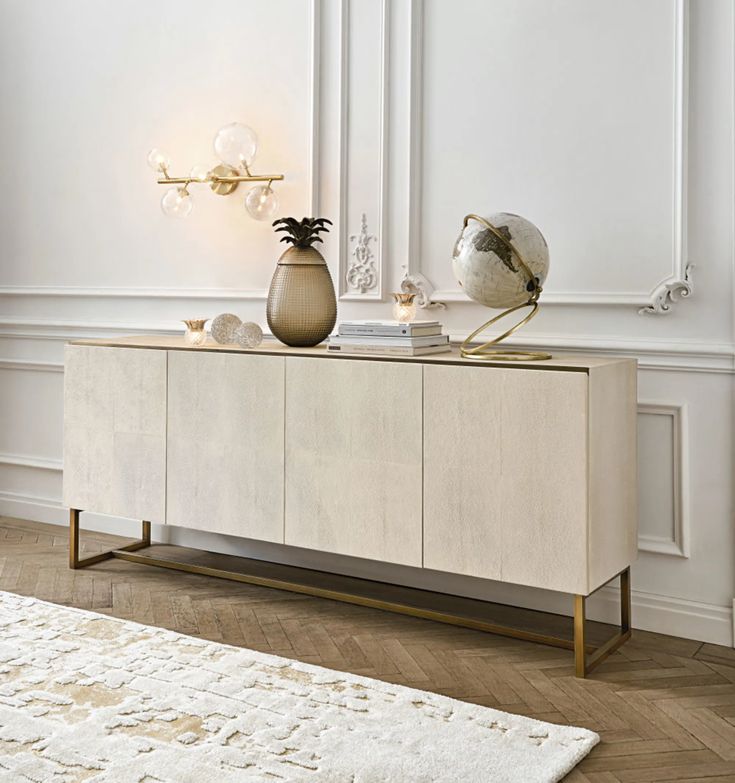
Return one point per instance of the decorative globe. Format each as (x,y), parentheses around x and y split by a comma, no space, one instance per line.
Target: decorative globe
(248,335)
(487,268)
(223,328)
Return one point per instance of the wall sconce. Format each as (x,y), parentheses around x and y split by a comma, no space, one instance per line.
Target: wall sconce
(235,145)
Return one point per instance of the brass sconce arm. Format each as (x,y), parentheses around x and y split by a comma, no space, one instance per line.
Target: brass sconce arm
(216,179)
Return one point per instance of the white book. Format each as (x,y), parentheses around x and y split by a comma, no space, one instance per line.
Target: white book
(389,350)
(377,340)
(390,328)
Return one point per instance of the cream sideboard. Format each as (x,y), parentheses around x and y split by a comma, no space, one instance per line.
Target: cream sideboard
(518,472)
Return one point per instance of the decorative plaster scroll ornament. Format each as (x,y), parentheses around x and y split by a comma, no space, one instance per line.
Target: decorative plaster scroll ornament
(417,284)
(361,273)
(669,292)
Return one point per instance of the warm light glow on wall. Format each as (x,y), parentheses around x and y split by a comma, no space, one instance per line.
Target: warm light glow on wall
(235,145)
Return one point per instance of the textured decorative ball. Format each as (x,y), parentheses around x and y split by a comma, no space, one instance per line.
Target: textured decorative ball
(248,335)
(486,267)
(223,328)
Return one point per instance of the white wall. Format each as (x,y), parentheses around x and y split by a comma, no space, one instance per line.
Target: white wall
(609,124)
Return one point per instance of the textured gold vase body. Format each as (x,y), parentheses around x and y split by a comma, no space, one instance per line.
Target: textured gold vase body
(302,307)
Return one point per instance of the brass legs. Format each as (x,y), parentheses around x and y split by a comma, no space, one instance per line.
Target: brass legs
(76,562)
(583,665)
(338,588)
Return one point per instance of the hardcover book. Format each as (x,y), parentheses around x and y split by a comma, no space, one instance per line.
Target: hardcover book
(389,350)
(389,328)
(379,341)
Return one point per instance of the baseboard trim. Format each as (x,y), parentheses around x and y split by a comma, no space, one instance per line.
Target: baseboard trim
(651,612)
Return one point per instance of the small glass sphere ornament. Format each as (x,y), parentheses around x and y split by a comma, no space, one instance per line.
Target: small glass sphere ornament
(404,307)
(248,335)
(261,202)
(223,328)
(195,333)
(177,202)
(236,144)
(200,173)
(158,160)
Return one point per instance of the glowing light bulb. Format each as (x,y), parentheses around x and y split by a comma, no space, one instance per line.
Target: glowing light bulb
(158,160)
(200,173)
(235,144)
(261,202)
(176,202)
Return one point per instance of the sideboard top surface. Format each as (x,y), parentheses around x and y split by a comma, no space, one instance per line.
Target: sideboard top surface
(559,361)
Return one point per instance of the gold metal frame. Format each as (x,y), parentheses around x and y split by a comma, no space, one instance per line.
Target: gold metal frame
(483,351)
(583,664)
(82,562)
(586,657)
(222,179)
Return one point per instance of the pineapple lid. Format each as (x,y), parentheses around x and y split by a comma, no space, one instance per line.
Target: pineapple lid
(302,234)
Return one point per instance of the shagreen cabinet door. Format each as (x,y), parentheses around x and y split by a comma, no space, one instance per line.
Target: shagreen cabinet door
(353,458)
(505,475)
(225,443)
(115,431)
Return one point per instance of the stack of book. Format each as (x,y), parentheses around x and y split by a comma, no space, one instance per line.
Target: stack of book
(417,338)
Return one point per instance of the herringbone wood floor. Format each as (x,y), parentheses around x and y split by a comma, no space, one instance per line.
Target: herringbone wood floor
(664,707)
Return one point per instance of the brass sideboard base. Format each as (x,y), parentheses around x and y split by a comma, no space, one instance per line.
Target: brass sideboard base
(76,562)
(586,657)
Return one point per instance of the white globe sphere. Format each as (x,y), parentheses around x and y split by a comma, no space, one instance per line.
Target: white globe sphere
(236,145)
(486,267)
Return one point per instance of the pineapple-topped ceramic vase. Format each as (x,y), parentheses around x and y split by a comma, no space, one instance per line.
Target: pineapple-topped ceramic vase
(302,307)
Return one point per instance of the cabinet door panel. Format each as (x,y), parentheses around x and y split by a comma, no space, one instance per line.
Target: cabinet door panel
(225,444)
(505,475)
(115,431)
(353,458)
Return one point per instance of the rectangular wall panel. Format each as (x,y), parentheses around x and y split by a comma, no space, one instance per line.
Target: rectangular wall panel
(608,120)
(353,458)
(115,431)
(225,444)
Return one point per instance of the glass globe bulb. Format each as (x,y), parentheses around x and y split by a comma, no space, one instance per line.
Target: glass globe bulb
(157,160)
(200,173)
(235,145)
(176,202)
(261,202)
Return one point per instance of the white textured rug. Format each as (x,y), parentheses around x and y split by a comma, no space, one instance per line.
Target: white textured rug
(84,697)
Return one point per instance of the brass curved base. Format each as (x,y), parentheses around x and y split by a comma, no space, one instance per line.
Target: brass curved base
(484,351)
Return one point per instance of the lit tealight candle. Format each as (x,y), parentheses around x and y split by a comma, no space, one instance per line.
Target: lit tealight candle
(404,308)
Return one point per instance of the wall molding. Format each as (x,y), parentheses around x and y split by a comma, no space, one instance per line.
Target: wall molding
(362,275)
(315,17)
(348,291)
(141,292)
(31,366)
(669,615)
(676,285)
(23,461)
(678,544)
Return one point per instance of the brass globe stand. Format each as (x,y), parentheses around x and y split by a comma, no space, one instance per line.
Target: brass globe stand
(483,351)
